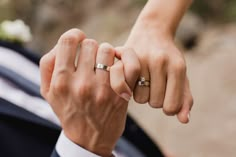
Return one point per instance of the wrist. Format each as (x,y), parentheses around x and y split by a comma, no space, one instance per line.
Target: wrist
(164,15)
(91,141)
(66,147)
(156,26)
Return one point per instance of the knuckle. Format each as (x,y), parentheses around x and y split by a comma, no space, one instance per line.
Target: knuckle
(90,42)
(74,30)
(155,104)
(106,47)
(170,110)
(60,83)
(71,37)
(160,59)
(59,86)
(81,90)
(100,99)
(180,66)
(77,32)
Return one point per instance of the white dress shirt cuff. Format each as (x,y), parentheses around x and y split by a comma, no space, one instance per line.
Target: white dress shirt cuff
(66,148)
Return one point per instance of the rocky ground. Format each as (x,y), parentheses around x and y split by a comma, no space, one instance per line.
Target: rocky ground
(210,55)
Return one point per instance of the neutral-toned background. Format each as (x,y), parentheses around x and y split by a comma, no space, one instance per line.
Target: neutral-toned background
(207,37)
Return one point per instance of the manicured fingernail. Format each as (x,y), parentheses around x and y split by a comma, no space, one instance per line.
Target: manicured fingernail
(125,96)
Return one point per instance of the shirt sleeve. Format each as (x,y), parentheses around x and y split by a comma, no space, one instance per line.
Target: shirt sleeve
(66,148)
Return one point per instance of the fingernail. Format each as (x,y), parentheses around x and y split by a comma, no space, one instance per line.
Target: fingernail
(125,96)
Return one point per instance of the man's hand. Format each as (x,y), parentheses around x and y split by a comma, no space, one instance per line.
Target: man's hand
(91,114)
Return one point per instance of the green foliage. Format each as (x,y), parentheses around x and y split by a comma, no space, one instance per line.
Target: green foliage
(230,12)
(200,7)
(216,10)
(140,2)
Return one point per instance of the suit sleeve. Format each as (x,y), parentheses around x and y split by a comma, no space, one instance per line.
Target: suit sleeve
(54,153)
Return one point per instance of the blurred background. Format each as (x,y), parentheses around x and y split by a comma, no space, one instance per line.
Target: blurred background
(207,37)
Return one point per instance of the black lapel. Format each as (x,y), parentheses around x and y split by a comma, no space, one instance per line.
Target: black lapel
(135,135)
(10,110)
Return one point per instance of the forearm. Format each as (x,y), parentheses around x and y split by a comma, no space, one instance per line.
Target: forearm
(165,15)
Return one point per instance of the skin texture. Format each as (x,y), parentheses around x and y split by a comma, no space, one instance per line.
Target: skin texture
(91,114)
(152,38)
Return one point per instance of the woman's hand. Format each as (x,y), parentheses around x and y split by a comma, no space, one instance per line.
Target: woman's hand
(164,65)
(91,114)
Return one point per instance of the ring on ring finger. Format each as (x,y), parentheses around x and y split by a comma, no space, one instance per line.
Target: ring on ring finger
(143,82)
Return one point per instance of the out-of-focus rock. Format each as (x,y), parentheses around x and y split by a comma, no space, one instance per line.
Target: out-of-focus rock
(189,30)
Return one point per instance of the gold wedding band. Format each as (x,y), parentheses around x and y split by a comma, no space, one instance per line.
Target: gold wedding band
(143,82)
(102,67)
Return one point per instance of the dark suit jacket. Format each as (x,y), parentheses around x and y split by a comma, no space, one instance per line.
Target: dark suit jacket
(23,134)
